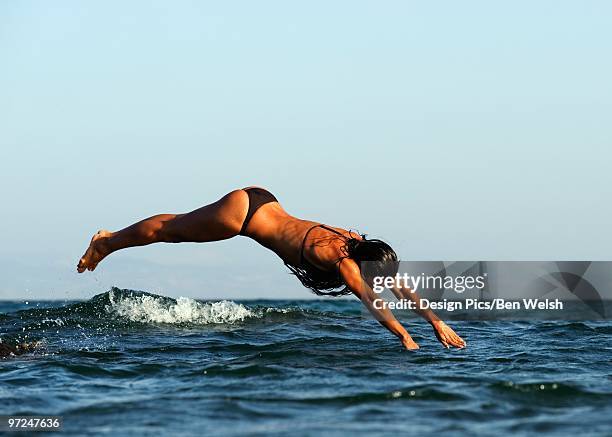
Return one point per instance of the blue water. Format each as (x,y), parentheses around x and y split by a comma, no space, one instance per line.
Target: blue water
(128,363)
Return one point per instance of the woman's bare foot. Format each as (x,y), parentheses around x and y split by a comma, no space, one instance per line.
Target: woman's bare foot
(96,251)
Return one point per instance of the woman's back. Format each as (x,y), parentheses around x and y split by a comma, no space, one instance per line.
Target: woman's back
(284,234)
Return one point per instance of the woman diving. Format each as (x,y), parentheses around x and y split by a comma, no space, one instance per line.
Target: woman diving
(325,259)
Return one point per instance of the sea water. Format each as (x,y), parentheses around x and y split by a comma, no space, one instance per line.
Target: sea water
(133,363)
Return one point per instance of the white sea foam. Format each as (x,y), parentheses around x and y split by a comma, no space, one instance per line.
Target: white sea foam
(57,321)
(154,309)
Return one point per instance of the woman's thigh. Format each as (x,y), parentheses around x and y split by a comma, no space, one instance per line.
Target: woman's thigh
(218,221)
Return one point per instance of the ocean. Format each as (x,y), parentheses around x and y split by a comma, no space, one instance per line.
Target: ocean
(134,363)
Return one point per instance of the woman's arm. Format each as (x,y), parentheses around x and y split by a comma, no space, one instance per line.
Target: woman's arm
(349,270)
(443,332)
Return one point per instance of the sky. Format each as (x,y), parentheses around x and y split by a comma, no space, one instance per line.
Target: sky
(470,130)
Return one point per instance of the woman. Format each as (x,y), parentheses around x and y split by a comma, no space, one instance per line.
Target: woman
(325,259)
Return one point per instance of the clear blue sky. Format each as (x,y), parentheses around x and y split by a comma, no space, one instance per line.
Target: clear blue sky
(454,130)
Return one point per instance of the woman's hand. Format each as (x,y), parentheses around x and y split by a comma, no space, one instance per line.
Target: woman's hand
(409,343)
(446,335)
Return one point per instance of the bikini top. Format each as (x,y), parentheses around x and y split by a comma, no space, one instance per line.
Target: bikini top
(303,260)
(315,278)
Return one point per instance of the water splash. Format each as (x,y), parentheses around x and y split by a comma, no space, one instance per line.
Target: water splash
(146,308)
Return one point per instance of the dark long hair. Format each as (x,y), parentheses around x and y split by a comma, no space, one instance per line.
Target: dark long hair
(380,258)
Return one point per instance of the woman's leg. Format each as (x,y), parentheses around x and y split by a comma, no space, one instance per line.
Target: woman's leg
(217,221)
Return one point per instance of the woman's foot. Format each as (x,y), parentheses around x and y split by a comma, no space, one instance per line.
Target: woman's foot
(97,250)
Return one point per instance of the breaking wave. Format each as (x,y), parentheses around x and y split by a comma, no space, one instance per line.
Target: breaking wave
(148,308)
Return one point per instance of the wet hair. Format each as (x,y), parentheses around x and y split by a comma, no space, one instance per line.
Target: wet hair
(374,257)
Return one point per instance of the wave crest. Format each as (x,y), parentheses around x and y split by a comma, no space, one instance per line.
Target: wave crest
(147,308)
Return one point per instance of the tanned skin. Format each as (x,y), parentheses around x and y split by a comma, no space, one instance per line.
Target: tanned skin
(274,228)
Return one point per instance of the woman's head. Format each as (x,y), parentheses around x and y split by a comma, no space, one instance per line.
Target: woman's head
(375,257)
